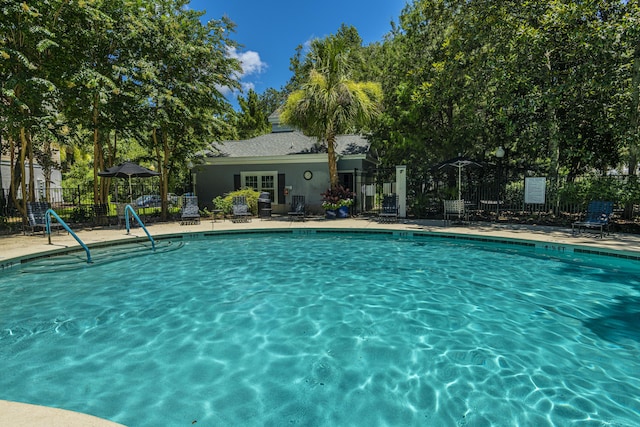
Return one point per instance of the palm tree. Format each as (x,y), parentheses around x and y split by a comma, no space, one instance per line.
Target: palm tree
(329,103)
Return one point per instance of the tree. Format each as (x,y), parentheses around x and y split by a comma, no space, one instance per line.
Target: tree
(181,65)
(328,102)
(94,81)
(271,99)
(542,79)
(630,30)
(29,100)
(252,120)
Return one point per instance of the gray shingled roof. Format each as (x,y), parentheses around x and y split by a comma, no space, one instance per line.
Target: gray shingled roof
(285,143)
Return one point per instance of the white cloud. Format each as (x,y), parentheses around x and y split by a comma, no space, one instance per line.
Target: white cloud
(247,86)
(250,61)
(251,65)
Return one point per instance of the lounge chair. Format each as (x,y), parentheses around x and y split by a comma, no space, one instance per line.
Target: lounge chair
(598,216)
(190,213)
(120,214)
(101,214)
(454,208)
(297,209)
(240,209)
(36,212)
(389,212)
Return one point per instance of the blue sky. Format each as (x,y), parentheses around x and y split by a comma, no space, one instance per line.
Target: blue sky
(269,31)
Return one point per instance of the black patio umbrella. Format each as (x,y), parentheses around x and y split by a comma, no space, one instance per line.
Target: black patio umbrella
(458,163)
(128,170)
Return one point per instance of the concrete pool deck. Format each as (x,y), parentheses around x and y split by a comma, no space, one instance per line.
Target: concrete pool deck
(18,248)
(24,247)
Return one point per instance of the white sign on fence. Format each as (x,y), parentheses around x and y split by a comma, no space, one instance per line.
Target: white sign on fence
(534,190)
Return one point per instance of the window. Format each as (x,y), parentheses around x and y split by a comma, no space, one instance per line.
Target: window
(251,181)
(262,181)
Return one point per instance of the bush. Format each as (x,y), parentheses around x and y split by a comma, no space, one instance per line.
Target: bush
(337,197)
(424,206)
(225,203)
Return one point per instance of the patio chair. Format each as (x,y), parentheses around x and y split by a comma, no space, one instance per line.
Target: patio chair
(240,209)
(190,213)
(101,214)
(389,212)
(454,208)
(120,213)
(598,216)
(36,212)
(297,209)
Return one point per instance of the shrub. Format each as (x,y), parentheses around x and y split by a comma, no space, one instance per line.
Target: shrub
(225,203)
(337,197)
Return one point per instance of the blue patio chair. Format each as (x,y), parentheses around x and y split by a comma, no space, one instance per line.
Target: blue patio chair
(36,212)
(598,216)
(389,212)
(297,209)
(240,208)
(190,213)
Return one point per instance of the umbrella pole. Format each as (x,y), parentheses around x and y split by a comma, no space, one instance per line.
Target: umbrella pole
(130,193)
(459,183)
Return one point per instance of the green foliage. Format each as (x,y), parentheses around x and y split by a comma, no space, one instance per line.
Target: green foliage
(153,68)
(514,194)
(252,120)
(81,214)
(630,192)
(225,203)
(590,188)
(424,205)
(328,102)
(546,80)
(337,197)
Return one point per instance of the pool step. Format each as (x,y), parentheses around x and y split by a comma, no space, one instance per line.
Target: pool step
(77,260)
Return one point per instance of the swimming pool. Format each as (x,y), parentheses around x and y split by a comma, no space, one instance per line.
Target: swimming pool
(324,329)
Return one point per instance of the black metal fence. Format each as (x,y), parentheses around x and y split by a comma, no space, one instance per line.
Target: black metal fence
(491,198)
(486,195)
(75,205)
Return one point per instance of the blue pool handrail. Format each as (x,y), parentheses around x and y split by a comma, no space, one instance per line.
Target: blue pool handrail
(128,209)
(47,220)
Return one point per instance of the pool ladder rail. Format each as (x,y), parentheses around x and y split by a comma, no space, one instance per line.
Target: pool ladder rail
(48,215)
(128,209)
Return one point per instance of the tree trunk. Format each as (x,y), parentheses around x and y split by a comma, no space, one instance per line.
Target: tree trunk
(3,202)
(160,162)
(32,175)
(96,152)
(634,141)
(634,125)
(23,183)
(14,176)
(46,168)
(332,159)
(164,178)
(554,132)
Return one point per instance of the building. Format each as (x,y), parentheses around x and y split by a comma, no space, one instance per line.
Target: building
(39,175)
(283,163)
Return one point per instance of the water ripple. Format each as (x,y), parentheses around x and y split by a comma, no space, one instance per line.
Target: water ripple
(329,330)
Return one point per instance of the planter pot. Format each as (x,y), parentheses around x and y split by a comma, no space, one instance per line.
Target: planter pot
(342,212)
(330,214)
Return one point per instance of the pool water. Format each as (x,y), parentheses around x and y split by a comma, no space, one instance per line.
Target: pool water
(329,330)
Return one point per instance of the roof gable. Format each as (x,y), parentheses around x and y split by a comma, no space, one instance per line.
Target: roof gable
(286,143)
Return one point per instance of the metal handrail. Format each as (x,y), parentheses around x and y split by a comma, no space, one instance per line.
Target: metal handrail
(47,220)
(128,209)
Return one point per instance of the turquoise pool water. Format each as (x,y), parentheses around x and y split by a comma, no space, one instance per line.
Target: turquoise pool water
(329,330)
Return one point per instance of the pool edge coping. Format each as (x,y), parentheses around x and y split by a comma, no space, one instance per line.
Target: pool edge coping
(547,245)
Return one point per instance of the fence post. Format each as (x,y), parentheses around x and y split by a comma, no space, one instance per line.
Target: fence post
(401,190)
